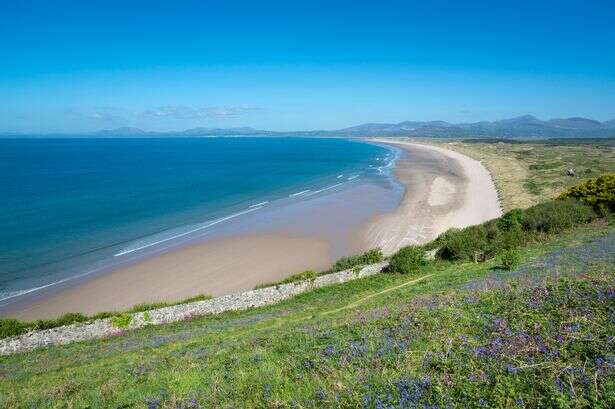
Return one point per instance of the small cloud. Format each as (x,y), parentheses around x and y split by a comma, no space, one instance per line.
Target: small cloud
(184,112)
(102,113)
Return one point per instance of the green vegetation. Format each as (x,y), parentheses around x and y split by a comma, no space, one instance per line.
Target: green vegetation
(153,306)
(452,332)
(509,259)
(346,263)
(599,192)
(528,172)
(121,321)
(407,260)
(512,230)
(306,275)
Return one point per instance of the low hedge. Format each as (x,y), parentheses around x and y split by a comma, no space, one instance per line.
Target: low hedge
(408,260)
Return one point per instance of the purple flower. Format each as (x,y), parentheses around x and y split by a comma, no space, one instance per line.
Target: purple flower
(329,350)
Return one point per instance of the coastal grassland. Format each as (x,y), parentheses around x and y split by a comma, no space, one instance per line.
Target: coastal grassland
(459,332)
(526,172)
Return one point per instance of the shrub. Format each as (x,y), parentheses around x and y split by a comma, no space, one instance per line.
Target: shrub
(306,275)
(511,220)
(10,327)
(458,244)
(148,306)
(598,193)
(407,260)
(509,259)
(557,215)
(346,263)
(121,321)
(513,238)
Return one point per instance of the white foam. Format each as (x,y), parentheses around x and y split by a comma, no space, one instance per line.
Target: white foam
(257,205)
(299,193)
(13,294)
(340,176)
(206,225)
(324,189)
(353,177)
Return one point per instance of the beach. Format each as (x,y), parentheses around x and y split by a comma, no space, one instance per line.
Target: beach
(443,189)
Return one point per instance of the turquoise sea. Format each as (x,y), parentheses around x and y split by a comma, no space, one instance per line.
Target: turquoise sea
(74,206)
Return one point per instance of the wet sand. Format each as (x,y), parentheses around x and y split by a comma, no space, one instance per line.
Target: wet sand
(215,267)
(443,189)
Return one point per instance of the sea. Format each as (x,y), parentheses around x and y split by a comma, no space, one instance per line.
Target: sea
(75,207)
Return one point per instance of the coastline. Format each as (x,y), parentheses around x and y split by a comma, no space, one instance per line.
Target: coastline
(443,189)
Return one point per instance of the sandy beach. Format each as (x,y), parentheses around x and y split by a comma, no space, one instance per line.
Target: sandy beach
(443,189)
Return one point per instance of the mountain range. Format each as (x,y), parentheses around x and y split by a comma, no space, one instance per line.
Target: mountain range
(526,126)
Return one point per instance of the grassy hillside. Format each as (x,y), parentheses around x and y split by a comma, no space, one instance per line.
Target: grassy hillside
(528,172)
(536,331)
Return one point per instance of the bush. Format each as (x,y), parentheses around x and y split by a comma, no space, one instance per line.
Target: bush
(306,275)
(513,238)
(458,244)
(121,321)
(509,259)
(598,193)
(346,263)
(511,220)
(407,260)
(10,327)
(557,215)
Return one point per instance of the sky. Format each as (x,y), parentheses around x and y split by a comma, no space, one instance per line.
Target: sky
(80,66)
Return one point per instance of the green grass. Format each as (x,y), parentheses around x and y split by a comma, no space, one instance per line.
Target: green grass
(306,275)
(446,334)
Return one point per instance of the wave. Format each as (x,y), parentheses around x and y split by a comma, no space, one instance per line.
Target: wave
(340,176)
(204,226)
(315,192)
(258,204)
(299,193)
(7,295)
(353,177)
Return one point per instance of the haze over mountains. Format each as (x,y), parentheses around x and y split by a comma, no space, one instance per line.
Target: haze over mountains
(526,126)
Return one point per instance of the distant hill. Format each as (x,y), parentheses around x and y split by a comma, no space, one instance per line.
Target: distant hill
(526,126)
(124,131)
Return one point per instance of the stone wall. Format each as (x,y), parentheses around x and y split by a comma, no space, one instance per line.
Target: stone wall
(249,299)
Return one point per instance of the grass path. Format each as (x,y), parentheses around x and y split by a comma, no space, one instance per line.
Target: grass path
(362,300)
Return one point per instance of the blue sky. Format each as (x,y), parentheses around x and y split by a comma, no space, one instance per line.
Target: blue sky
(71,66)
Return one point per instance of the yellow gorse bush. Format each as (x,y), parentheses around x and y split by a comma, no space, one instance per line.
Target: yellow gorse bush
(598,192)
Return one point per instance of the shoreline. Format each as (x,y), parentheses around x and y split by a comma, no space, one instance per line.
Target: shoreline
(443,189)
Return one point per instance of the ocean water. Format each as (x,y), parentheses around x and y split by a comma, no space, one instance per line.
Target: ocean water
(71,207)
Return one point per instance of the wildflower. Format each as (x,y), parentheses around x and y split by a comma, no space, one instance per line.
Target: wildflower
(329,350)
(559,384)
